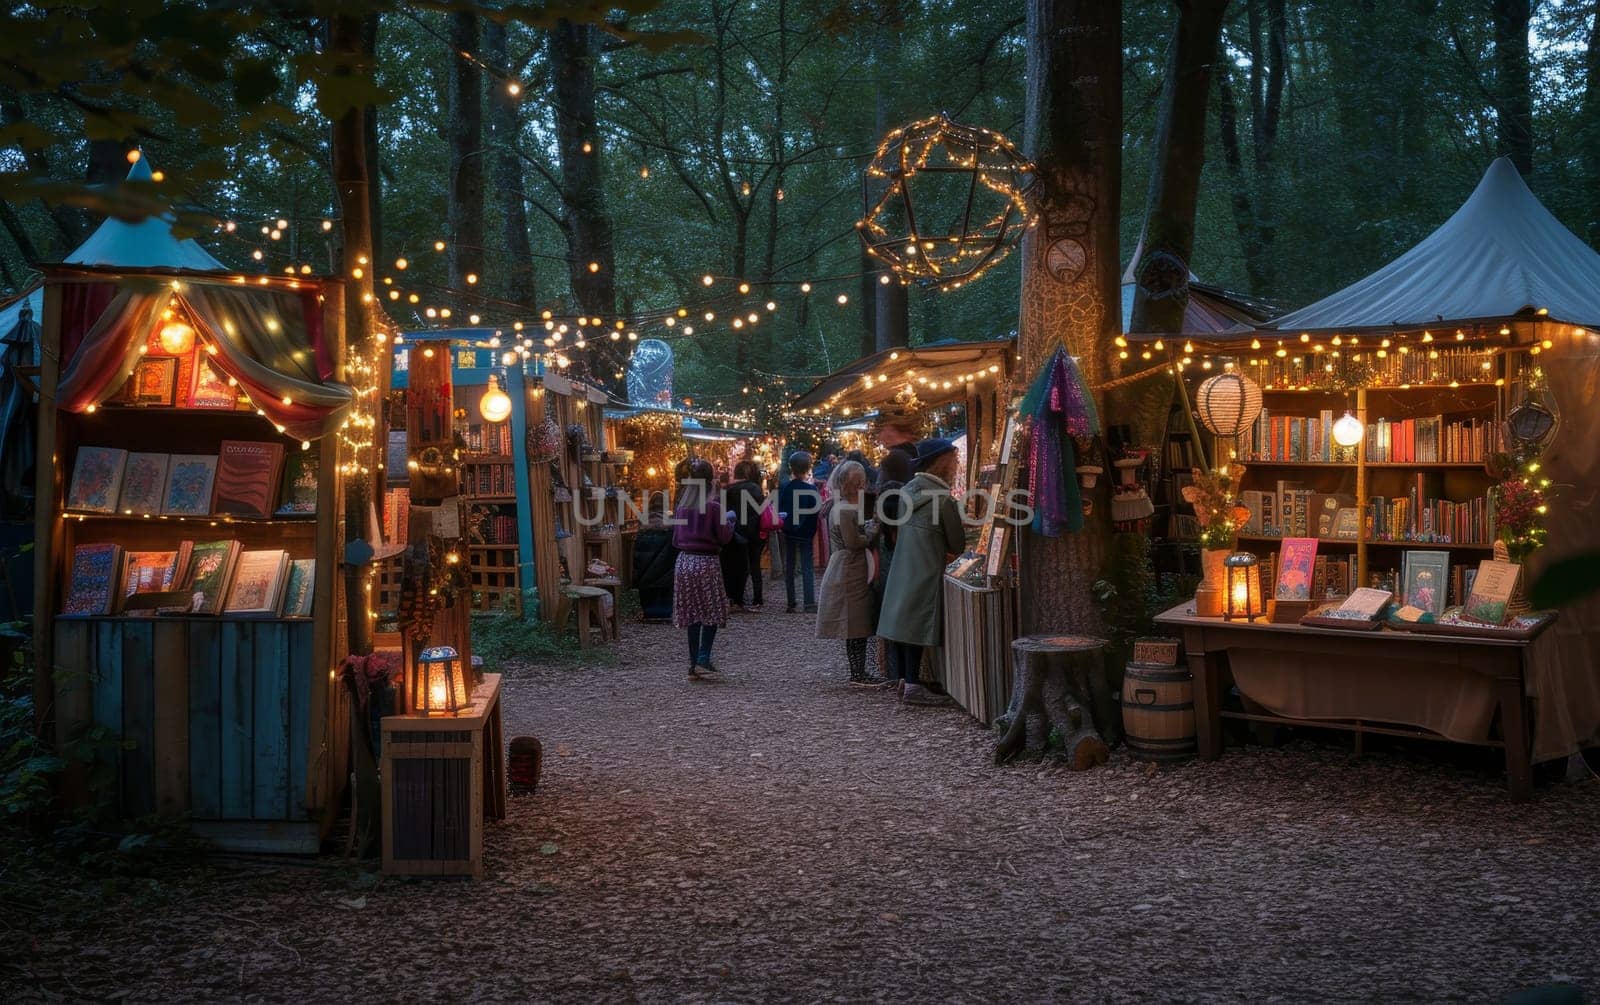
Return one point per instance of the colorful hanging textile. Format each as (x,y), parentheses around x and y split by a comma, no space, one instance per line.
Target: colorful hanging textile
(1062,409)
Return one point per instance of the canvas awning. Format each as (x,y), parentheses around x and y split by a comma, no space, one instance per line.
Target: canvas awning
(147,244)
(936,372)
(1502,255)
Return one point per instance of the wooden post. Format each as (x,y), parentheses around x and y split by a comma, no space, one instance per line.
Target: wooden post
(1361,489)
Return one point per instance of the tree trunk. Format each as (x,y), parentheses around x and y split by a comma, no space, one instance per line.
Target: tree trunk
(573,53)
(1514,82)
(891,306)
(465,213)
(506,166)
(1588,137)
(1161,293)
(1053,687)
(1070,268)
(349,40)
(1253,191)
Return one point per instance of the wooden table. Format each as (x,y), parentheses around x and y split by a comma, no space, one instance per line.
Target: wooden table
(442,777)
(1504,662)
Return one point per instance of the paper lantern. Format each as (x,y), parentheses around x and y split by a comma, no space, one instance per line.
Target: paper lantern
(177,338)
(495,405)
(1227,404)
(438,684)
(1348,431)
(1242,596)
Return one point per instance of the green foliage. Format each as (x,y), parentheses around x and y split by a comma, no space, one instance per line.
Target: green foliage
(503,640)
(1565,581)
(1125,592)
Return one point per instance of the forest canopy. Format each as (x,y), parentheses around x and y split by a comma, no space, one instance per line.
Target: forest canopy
(603,162)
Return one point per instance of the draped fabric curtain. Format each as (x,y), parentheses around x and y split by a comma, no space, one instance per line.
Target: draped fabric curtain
(105,349)
(264,341)
(16,417)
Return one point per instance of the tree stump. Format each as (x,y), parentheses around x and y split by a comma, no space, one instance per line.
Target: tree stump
(1051,691)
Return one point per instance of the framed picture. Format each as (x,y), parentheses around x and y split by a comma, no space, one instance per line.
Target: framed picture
(997,550)
(211,389)
(155,381)
(1423,578)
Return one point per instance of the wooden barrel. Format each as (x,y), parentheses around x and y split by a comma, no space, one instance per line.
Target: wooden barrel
(1158,712)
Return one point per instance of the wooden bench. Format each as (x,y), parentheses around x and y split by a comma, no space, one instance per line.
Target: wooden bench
(587,605)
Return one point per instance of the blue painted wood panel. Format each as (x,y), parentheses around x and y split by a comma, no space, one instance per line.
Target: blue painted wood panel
(302,678)
(237,683)
(138,718)
(271,726)
(106,660)
(205,721)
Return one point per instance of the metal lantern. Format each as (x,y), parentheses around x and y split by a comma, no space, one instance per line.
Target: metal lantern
(1242,593)
(1530,425)
(944,202)
(438,683)
(1227,404)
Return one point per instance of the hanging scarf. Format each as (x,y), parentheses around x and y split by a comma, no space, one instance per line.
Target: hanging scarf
(1062,410)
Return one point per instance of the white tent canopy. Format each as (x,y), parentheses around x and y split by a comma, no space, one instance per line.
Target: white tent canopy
(148,244)
(1501,255)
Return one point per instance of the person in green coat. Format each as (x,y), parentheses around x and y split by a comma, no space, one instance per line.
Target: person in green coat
(931,533)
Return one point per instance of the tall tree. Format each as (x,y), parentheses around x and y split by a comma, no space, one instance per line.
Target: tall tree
(1070,264)
(1254,191)
(573,50)
(1514,82)
(465,126)
(1161,292)
(506,167)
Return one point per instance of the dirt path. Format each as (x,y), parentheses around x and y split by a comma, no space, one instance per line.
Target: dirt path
(779,836)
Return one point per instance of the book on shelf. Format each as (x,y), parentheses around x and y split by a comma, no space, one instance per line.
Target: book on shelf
(96,479)
(92,583)
(1295,568)
(258,580)
(210,568)
(297,596)
(155,381)
(208,388)
(300,483)
(189,481)
(1436,368)
(153,571)
(248,472)
(396,514)
(144,480)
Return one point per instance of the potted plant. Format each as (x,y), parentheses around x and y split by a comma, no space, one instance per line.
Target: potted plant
(1220,517)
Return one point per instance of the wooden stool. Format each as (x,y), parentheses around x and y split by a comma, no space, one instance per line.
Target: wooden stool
(586,603)
(1053,688)
(613,586)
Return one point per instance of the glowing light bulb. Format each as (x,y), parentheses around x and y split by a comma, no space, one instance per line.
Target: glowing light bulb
(1348,431)
(177,338)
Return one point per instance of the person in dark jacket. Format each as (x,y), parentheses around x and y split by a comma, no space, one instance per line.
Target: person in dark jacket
(654,558)
(894,470)
(798,505)
(930,534)
(741,559)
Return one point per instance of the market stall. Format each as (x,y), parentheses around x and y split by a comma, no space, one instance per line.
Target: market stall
(187,533)
(1406,454)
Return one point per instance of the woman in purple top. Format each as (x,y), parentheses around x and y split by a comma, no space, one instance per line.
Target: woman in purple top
(699,596)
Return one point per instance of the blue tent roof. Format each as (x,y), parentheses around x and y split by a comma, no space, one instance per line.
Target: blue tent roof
(146,244)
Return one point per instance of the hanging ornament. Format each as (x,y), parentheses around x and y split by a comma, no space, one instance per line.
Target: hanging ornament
(944,202)
(1531,424)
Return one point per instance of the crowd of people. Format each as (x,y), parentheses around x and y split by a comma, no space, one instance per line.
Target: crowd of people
(882,536)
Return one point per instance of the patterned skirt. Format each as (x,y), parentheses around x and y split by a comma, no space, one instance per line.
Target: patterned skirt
(699,596)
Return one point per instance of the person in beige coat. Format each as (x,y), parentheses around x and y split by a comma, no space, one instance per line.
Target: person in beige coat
(845,606)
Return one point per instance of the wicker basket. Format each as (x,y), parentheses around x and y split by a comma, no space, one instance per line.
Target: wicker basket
(1156,651)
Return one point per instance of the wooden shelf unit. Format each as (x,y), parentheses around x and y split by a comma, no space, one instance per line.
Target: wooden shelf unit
(1360,480)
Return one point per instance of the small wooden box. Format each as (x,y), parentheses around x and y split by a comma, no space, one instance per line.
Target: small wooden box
(442,776)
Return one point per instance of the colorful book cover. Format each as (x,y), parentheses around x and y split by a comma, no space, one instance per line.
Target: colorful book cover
(1295,562)
(211,389)
(144,479)
(1491,591)
(155,381)
(300,483)
(247,477)
(189,478)
(210,565)
(96,479)
(148,572)
(94,579)
(257,582)
(1424,577)
(297,592)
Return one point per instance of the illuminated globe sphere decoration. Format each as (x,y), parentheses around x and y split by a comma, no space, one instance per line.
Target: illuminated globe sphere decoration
(944,202)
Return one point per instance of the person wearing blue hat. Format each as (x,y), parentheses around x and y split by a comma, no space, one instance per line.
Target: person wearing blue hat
(931,533)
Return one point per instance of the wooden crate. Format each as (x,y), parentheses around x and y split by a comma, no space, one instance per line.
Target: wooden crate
(390,571)
(979,624)
(442,777)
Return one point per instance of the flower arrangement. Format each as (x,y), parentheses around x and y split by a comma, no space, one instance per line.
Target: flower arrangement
(1219,512)
(1518,507)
